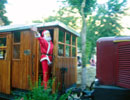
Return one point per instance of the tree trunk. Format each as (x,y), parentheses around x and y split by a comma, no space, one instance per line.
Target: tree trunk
(83,45)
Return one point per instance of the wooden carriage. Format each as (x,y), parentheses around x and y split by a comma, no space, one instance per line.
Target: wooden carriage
(20,55)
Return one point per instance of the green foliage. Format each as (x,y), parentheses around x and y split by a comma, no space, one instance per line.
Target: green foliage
(84,12)
(39,93)
(64,16)
(106,22)
(116,7)
(2,12)
(37,21)
(89,6)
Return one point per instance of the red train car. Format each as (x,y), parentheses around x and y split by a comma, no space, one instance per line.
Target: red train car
(113,69)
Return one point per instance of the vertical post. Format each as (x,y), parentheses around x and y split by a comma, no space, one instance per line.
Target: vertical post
(55,55)
(64,44)
(76,60)
(37,59)
(71,45)
(8,83)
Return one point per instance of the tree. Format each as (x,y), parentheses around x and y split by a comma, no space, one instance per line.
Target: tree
(37,21)
(85,8)
(106,22)
(3,18)
(65,16)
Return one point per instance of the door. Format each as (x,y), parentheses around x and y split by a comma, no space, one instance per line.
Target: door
(23,59)
(5,63)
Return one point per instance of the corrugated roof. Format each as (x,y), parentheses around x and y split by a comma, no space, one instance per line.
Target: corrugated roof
(9,28)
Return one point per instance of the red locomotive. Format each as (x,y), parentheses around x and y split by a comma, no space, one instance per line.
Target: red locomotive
(113,69)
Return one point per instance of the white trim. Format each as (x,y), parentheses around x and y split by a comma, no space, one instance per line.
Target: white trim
(37,35)
(46,58)
(48,49)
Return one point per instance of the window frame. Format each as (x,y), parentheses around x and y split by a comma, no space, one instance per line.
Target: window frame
(4,47)
(16,44)
(70,45)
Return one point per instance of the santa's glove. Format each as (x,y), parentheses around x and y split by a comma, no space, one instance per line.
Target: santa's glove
(34,30)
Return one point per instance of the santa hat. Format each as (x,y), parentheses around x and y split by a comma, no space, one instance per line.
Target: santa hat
(45,32)
(46,35)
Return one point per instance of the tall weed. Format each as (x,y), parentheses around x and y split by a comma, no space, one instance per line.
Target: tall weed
(39,93)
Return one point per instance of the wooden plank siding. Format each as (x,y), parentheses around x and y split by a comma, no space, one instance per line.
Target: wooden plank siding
(36,59)
(5,67)
(70,64)
(16,72)
(26,67)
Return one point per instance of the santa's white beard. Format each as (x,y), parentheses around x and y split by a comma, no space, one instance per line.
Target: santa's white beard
(48,39)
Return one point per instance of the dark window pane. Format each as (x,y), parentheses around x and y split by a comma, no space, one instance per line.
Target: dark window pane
(67,52)
(73,40)
(2,54)
(74,52)
(61,50)
(61,36)
(2,41)
(16,37)
(68,38)
(16,52)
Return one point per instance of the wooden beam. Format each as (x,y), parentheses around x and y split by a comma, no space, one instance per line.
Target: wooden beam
(64,51)
(71,45)
(55,56)
(3,47)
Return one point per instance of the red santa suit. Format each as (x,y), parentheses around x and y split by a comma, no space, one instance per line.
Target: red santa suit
(46,46)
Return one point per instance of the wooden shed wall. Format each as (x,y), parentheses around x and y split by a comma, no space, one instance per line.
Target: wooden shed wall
(5,66)
(27,66)
(64,62)
(70,74)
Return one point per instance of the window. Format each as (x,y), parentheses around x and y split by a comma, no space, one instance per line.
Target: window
(3,41)
(16,45)
(68,36)
(16,37)
(73,40)
(66,44)
(61,45)
(3,47)
(67,51)
(61,50)
(73,52)
(61,36)
(2,54)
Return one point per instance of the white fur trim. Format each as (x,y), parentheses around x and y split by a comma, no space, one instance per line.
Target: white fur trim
(46,32)
(48,49)
(37,35)
(46,58)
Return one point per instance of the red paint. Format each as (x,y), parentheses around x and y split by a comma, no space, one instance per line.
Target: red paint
(112,67)
(44,45)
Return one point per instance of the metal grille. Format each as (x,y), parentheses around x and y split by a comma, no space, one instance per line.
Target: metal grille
(123,68)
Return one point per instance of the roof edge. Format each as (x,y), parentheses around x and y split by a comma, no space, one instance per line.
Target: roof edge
(9,28)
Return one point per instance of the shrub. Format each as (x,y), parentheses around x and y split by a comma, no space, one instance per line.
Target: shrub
(39,93)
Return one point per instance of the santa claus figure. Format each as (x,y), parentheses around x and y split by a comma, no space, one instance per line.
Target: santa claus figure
(46,46)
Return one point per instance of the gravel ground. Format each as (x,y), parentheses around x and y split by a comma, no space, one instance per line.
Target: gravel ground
(91,73)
